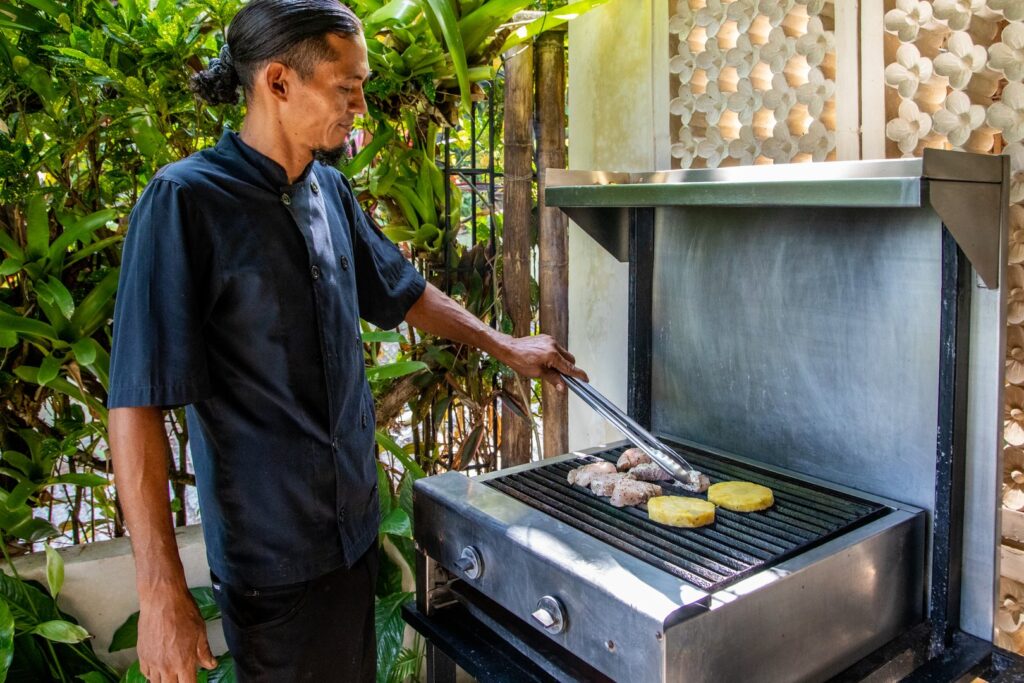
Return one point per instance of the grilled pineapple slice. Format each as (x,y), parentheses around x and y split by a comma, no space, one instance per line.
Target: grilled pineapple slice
(741,496)
(680,511)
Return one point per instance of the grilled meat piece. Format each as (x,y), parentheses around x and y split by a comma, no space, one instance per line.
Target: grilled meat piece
(649,471)
(632,457)
(632,492)
(581,476)
(604,484)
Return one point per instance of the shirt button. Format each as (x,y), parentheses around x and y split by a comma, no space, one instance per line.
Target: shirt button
(341,515)
(344,262)
(336,444)
(364,420)
(359,340)
(315,272)
(315,188)
(285,199)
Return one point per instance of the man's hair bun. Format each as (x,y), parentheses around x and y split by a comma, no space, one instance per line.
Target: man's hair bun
(218,83)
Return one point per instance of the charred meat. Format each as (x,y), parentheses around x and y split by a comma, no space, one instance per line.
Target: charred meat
(632,457)
(582,476)
(632,492)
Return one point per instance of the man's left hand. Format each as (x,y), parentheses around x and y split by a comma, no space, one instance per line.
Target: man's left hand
(541,356)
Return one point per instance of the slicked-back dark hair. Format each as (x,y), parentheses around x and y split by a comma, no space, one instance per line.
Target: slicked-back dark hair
(293,32)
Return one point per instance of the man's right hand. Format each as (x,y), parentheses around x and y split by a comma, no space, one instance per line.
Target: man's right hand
(172,638)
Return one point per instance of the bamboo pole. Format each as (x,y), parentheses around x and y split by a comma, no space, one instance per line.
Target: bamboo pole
(553,237)
(515,243)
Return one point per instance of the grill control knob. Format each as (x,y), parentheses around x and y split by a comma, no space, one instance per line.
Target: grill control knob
(550,614)
(470,563)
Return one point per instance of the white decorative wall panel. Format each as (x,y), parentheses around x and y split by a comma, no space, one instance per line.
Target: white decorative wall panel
(754,81)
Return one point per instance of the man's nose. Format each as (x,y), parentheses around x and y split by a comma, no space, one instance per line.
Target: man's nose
(358,103)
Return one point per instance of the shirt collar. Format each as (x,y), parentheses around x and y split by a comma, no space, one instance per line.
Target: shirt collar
(252,165)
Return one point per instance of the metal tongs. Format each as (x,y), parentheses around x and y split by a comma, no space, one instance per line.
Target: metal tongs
(666,458)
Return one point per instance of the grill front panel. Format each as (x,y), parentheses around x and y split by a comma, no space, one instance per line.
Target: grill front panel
(711,557)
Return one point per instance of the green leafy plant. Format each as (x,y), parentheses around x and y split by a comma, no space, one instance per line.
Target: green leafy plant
(38,641)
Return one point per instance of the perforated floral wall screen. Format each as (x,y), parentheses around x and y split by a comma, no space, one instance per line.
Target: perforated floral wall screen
(778,81)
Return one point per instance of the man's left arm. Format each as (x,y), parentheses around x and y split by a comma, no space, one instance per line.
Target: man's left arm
(535,356)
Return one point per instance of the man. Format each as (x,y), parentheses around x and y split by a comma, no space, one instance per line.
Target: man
(246,269)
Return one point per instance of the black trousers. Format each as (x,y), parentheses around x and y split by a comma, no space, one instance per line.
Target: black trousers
(318,630)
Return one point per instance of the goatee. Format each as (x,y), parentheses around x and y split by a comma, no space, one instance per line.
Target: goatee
(331,157)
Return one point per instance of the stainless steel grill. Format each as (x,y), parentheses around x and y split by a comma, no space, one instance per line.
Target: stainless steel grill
(713,557)
(817,329)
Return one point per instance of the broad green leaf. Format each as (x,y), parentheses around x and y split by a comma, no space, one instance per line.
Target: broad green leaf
(97,306)
(225,671)
(127,634)
(484,21)
(383,490)
(48,370)
(394,13)
(133,674)
(85,351)
(396,369)
(61,297)
(378,336)
(20,461)
(86,479)
(37,225)
(10,266)
(19,495)
(406,665)
(34,529)
(48,6)
(28,601)
(208,607)
(92,677)
(396,524)
(19,18)
(54,571)
(549,21)
(444,18)
(28,326)
(363,158)
(61,631)
(31,374)
(385,441)
(77,229)
(6,639)
(8,339)
(390,627)
(8,245)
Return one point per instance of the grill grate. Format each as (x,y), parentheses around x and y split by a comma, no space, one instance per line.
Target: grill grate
(711,557)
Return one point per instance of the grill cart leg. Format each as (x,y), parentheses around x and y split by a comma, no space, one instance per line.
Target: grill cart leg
(440,668)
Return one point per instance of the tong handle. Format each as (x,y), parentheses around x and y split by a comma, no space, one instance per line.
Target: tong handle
(666,458)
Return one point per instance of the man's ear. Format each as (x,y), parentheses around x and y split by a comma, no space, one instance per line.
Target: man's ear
(276,78)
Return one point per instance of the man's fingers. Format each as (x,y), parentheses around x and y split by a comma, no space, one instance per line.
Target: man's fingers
(564,366)
(206,658)
(565,352)
(555,379)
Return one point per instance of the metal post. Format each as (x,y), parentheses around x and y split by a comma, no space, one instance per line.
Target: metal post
(951,444)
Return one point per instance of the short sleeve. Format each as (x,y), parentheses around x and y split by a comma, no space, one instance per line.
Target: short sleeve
(387,283)
(159,354)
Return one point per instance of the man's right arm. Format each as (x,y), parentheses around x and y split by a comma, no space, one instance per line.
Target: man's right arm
(172,634)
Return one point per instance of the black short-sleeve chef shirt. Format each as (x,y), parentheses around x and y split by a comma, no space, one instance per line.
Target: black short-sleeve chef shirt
(240,296)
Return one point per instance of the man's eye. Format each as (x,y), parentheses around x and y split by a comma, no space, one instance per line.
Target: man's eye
(344,90)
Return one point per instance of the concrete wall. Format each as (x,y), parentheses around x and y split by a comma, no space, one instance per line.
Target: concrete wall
(99,587)
(618,121)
